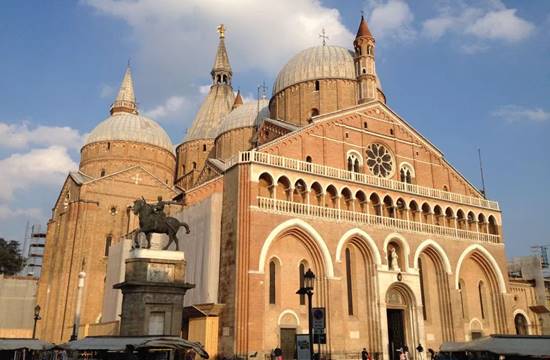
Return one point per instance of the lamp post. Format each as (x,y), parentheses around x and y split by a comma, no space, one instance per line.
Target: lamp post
(309,280)
(36,318)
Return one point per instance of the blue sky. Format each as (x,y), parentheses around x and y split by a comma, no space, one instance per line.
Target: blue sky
(466,74)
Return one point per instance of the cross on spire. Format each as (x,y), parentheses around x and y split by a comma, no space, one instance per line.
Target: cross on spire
(323,36)
(221,31)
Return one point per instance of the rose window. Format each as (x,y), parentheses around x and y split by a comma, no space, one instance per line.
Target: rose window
(379,160)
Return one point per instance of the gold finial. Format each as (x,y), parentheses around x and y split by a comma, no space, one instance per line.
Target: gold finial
(221,31)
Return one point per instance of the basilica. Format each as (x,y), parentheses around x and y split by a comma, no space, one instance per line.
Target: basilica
(325,176)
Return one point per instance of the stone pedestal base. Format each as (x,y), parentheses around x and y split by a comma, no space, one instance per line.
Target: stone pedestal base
(153,291)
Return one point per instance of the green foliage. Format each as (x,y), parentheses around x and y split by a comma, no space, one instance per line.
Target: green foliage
(11,261)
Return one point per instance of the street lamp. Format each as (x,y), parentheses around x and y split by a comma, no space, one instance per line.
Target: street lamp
(36,318)
(309,280)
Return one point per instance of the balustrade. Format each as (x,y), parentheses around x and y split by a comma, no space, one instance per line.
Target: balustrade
(341,174)
(294,208)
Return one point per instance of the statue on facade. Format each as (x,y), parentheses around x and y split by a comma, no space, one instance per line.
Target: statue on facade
(394,265)
(153,219)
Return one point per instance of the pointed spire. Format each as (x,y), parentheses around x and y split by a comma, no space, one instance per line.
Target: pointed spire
(363,30)
(238,100)
(221,71)
(126,99)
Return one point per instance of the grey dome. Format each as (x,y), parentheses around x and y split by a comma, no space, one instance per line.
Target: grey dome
(320,62)
(246,115)
(131,127)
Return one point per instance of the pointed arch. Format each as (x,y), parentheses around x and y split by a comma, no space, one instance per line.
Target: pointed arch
(309,230)
(361,234)
(487,255)
(438,249)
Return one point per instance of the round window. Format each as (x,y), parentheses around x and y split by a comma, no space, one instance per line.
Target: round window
(379,160)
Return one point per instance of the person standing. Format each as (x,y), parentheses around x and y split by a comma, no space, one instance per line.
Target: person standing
(364,354)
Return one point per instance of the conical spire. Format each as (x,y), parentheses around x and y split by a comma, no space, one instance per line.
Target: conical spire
(363,30)
(238,100)
(126,99)
(221,71)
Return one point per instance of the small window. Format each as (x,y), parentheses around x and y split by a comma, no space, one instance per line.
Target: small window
(113,210)
(364,71)
(108,146)
(194,165)
(308,159)
(445,188)
(314,112)
(204,147)
(272,280)
(317,85)
(349,284)
(391,131)
(365,125)
(302,271)
(108,241)
(102,174)
(347,135)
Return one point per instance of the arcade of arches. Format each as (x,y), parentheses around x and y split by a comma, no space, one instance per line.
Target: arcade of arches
(368,302)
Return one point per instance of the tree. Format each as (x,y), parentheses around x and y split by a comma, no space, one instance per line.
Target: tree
(11,261)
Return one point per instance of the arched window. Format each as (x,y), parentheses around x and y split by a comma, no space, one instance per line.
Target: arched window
(183,170)
(365,125)
(302,271)
(349,284)
(521,325)
(102,172)
(308,159)
(461,291)
(355,161)
(108,241)
(406,173)
(314,112)
(225,79)
(194,165)
(204,147)
(481,291)
(422,295)
(376,206)
(108,146)
(317,85)
(272,280)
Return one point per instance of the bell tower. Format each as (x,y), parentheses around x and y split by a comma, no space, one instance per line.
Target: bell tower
(365,68)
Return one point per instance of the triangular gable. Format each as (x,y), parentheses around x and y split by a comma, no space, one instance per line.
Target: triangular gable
(209,171)
(130,169)
(69,181)
(339,115)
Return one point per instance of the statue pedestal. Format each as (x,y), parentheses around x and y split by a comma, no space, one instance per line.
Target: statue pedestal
(152,293)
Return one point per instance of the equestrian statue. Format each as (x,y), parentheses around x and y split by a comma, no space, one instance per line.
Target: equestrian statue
(152,219)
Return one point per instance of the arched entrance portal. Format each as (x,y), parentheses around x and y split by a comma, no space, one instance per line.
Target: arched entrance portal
(402,319)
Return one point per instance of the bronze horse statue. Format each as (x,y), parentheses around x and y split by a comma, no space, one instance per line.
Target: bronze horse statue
(151,222)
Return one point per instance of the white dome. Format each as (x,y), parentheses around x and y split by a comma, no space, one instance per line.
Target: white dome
(130,127)
(246,115)
(320,62)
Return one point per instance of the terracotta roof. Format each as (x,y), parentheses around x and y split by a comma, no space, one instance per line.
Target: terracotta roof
(363,30)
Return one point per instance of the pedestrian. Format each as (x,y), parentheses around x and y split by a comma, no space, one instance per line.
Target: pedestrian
(278,353)
(420,350)
(433,356)
(406,352)
(364,354)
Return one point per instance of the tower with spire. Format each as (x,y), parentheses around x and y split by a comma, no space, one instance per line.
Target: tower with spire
(198,144)
(364,45)
(125,101)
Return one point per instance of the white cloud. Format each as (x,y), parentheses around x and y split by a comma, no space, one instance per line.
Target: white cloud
(514,113)
(7,213)
(180,35)
(22,135)
(172,106)
(501,25)
(38,166)
(204,89)
(391,19)
(489,20)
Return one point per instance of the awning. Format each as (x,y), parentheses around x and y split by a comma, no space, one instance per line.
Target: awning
(20,344)
(123,343)
(536,346)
